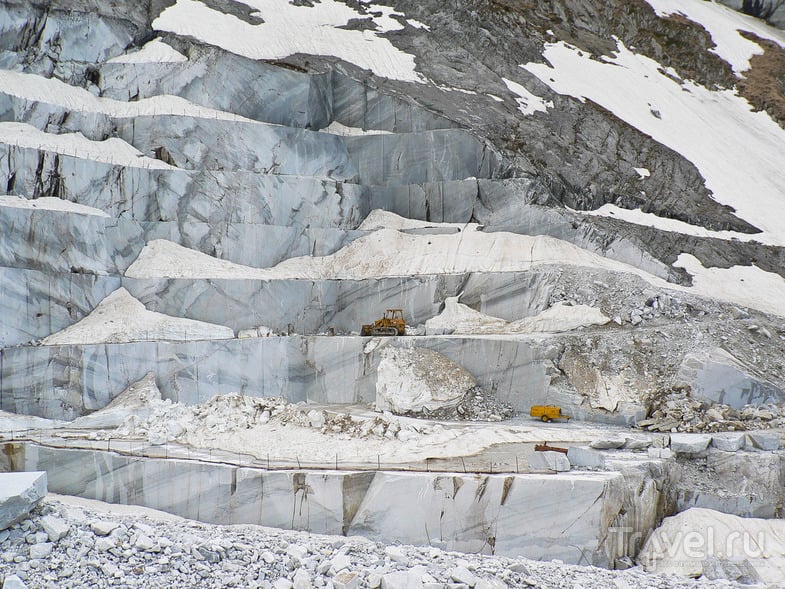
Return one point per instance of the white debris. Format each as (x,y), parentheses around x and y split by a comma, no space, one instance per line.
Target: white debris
(381,219)
(121,318)
(111,151)
(136,401)
(457,318)
(558,318)
(49,203)
(337,128)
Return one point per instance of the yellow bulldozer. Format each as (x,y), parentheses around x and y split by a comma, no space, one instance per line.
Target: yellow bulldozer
(392,323)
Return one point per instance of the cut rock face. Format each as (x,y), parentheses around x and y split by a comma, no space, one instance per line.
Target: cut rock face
(719,377)
(416,380)
(19,493)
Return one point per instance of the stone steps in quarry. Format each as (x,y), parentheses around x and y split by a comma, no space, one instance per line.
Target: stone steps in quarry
(239,239)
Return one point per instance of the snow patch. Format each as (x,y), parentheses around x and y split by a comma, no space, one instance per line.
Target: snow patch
(156,51)
(705,127)
(417,24)
(121,318)
(111,151)
(743,285)
(528,103)
(723,24)
(288,29)
(643,172)
(638,217)
(49,203)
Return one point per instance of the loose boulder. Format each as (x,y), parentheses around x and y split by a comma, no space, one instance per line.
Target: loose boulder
(689,443)
(416,380)
(765,440)
(549,461)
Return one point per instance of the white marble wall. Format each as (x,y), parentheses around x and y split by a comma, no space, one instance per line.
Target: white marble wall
(564,516)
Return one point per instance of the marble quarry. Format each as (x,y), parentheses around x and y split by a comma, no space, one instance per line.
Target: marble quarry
(118,129)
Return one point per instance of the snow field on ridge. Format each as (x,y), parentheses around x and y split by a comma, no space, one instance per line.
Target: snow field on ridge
(273,38)
(706,127)
(723,24)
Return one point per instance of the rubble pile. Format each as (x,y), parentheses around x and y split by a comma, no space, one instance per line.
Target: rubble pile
(475,405)
(675,410)
(168,421)
(65,544)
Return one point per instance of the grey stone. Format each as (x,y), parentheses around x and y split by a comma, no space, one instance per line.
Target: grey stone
(41,550)
(490,584)
(765,439)
(20,492)
(728,441)
(339,562)
(13,582)
(555,461)
(720,377)
(55,527)
(144,543)
(665,453)
(463,575)
(607,443)
(346,580)
(690,443)
(302,580)
(401,580)
(585,457)
(103,527)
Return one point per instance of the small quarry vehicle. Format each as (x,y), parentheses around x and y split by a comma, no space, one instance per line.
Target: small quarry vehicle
(392,323)
(547,412)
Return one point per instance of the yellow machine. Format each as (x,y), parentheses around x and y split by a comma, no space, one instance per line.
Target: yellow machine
(547,412)
(392,323)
